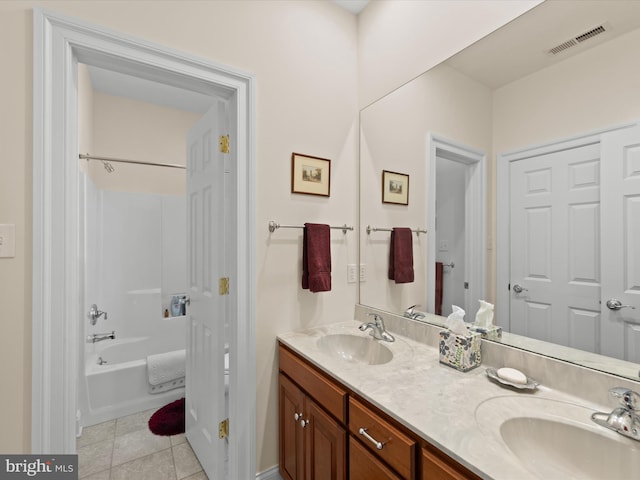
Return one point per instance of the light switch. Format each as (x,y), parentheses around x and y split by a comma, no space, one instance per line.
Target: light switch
(7,240)
(352,273)
(443,246)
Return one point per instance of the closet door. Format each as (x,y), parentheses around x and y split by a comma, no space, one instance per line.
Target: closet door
(620,245)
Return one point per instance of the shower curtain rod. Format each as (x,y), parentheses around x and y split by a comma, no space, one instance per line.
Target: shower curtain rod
(88,157)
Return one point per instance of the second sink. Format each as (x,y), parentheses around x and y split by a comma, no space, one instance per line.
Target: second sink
(355,349)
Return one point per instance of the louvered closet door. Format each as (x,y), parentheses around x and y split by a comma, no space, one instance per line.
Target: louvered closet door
(205,392)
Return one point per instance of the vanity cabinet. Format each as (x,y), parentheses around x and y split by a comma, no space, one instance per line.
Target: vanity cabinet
(312,438)
(330,433)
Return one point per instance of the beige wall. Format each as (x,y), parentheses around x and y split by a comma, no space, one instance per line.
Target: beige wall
(131,129)
(304,55)
(400,39)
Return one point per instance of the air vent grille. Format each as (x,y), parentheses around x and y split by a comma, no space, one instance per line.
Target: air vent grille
(577,40)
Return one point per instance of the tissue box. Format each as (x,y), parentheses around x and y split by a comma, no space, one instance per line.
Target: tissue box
(492,333)
(461,352)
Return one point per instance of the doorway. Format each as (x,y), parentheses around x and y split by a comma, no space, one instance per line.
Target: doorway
(59,44)
(456,225)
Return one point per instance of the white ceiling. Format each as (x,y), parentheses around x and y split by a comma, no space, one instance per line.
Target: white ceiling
(354,6)
(520,47)
(122,85)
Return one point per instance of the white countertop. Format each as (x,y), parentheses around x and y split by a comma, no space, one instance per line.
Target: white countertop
(435,401)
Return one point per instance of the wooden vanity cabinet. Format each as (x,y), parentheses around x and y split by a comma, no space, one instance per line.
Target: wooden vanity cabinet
(320,437)
(312,442)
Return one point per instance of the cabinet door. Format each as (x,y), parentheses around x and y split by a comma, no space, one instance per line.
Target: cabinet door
(291,404)
(364,466)
(436,468)
(325,442)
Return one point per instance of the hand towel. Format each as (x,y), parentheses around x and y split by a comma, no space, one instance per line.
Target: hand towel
(439,270)
(401,255)
(316,258)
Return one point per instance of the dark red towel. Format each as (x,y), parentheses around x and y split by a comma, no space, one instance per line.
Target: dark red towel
(316,257)
(401,255)
(439,269)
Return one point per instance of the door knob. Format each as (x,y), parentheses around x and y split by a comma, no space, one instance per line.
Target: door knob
(614,304)
(519,288)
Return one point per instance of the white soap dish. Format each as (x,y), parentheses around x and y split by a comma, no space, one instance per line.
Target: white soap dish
(492,373)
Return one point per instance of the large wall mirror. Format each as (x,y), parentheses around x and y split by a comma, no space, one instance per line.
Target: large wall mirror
(522,155)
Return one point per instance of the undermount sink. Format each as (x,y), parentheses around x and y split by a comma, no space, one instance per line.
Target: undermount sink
(555,439)
(355,349)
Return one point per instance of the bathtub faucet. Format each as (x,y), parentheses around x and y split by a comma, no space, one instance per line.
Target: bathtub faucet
(98,337)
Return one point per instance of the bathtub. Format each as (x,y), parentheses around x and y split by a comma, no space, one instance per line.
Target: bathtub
(119,386)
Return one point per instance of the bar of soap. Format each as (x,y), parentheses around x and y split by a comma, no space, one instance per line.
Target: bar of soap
(512,375)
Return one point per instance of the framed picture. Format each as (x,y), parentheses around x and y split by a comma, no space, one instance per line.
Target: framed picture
(395,188)
(310,175)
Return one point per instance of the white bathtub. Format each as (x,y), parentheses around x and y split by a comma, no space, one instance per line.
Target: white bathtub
(119,386)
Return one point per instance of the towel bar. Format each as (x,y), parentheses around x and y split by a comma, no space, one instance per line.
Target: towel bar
(370,229)
(273,226)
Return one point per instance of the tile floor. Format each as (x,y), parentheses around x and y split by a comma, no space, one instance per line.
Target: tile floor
(125,449)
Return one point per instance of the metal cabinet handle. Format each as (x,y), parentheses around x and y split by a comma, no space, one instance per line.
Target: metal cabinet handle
(297,416)
(614,304)
(363,432)
(304,423)
(519,288)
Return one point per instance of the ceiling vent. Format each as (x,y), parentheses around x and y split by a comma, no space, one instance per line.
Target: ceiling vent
(578,39)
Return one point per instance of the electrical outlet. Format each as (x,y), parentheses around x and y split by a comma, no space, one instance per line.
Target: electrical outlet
(352,273)
(363,272)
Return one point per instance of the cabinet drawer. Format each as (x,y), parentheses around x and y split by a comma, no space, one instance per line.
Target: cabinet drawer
(364,466)
(398,450)
(324,391)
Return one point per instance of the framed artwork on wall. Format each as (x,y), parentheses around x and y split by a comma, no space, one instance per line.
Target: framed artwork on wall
(395,188)
(310,175)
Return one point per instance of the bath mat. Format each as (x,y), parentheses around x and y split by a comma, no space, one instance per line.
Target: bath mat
(168,420)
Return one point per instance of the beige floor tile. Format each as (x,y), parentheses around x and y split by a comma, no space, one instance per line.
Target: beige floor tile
(198,476)
(104,475)
(94,458)
(137,444)
(132,423)
(177,439)
(185,460)
(157,466)
(97,433)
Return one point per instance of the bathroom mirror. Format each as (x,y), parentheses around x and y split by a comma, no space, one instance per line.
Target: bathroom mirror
(561,73)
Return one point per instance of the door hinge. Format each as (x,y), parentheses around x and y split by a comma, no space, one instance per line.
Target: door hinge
(223,286)
(224,143)
(223,428)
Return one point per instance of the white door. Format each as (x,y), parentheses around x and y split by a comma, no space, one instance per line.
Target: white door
(621,243)
(555,247)
(205,391)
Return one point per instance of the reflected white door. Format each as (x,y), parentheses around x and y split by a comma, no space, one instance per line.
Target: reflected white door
(205,391)
(555,247)
(621,243)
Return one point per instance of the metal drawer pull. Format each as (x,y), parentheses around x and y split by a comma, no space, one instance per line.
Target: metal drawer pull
(363,432)
(297,416)
(303,422)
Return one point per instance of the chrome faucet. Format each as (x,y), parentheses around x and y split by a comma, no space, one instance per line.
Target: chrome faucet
(412,313)
(94,314)
(98,337)
(625,419)
(377,327)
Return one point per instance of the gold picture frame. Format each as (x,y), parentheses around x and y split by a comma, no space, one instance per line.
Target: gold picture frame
(310,175)
(395,188)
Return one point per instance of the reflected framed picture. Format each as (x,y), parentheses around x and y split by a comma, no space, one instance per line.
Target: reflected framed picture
(310,175)
(395,188)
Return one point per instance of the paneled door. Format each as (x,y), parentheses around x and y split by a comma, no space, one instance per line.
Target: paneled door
(555,273)
(206,245)
(621,244)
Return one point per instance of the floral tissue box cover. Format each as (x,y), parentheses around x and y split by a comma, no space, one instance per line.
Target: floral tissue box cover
(460,352)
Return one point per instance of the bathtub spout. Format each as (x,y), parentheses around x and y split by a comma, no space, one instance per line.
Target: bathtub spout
(98,337)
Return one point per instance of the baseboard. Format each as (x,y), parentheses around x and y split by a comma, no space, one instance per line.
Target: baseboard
(271,474)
